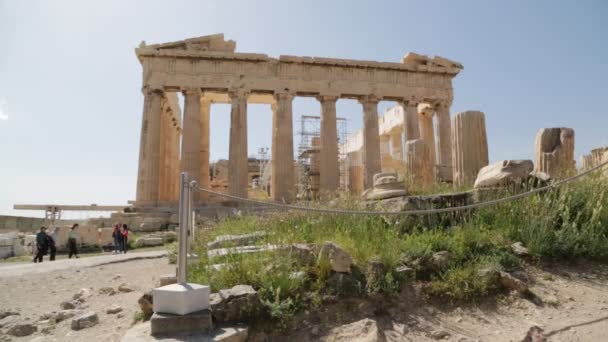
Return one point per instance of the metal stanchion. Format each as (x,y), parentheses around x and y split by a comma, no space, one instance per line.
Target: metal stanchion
(184,223)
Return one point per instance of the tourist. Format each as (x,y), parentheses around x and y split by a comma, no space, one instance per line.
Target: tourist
(117,237)
(125,238)
(41,244)
(52,239)
(72,240)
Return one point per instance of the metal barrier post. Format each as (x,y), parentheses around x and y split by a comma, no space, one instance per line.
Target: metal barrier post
(184,223)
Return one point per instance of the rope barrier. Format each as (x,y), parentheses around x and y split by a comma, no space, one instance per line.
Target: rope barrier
(408,212)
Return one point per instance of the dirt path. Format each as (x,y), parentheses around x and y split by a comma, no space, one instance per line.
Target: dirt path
(572,306)
(33,293)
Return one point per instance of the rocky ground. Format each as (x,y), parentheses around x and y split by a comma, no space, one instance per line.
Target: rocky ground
(34,294)
(570,303)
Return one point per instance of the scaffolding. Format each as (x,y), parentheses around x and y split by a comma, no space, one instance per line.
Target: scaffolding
(310,133)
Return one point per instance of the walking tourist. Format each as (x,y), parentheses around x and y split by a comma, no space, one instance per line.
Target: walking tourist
(41,244)
(117,237)
(72,241)
(125,238)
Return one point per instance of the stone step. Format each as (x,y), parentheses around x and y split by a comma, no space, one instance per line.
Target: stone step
(224,333)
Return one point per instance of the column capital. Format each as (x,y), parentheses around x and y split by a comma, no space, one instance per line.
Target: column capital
(443,105)
(369,99)
(238,93)
(425,108)
(192,91)
(411,101)
(283,95)
(327,98)
(149,90)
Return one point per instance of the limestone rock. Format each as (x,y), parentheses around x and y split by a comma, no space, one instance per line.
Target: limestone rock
(69,305)
(148,242)
(304,253)
(512,283)
(6,313)
(469,146)
(519,249)
(554,151)
(86,320)
(441,259)
(375,273)
(82,294)
(145,304)
(224,241)
(439,334)
(66,314)
(8,321)
(504,173)
(239,303)
(535,334)
(125,288)
(365,330)
(336,257)
(345,284)
(20,330)
(404,271)
(386,185)
(107,291)
(114,309)
(59,316)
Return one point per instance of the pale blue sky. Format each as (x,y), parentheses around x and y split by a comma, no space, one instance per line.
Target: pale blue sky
(70,100)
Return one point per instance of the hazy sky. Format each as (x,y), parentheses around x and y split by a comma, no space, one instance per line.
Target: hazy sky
(71,104)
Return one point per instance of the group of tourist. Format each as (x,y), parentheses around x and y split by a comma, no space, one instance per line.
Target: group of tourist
(120,235)
(46,243)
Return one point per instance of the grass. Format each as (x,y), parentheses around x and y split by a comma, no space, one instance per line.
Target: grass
(565,224)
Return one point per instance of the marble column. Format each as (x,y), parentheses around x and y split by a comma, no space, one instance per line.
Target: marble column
(371,140)
(283,178)
(191,136)
(175,162)
(469,147)
(238,164)
(204,149)
(165,136)
(419,174)
(444,142)
(396,146)
(410,120)
(427,132)
(329,168)
(149,148)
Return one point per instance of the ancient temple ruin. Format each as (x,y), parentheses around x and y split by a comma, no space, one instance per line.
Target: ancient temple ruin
(207,70)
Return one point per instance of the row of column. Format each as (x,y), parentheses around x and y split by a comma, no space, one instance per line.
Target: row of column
(159,145)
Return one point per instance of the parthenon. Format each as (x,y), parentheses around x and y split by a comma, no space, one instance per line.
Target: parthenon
(207,70)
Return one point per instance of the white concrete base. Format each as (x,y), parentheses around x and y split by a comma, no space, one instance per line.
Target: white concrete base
(180,299)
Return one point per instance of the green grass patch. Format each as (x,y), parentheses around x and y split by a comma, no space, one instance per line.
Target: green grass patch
(565,224)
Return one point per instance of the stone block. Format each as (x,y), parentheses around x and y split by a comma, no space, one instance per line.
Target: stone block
(162,323)
(180,299)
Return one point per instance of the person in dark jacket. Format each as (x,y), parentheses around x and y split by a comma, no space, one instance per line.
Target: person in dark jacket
(72,242)
(41,244)
(50,241)
(117,237)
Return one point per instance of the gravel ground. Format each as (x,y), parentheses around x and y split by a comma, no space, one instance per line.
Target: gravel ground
(34,294)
